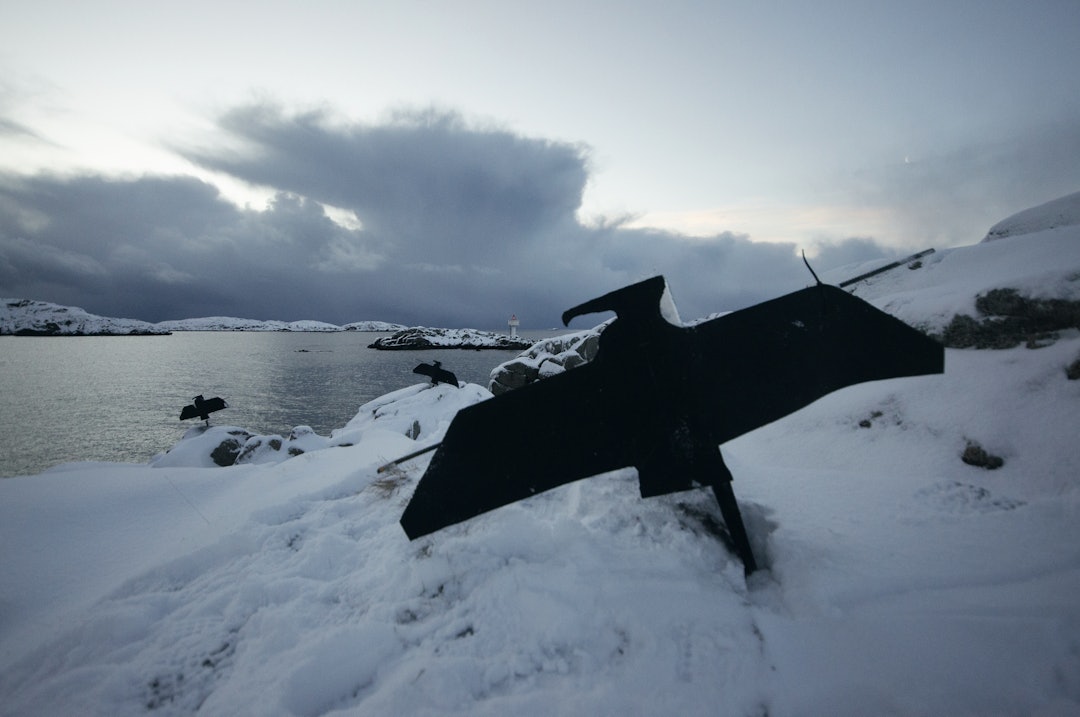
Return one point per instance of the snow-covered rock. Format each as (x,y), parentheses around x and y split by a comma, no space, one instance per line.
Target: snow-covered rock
(421,412)
(205,447)
(546,358)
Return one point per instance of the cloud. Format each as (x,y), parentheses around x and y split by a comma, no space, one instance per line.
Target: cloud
(442,191)
(952,198)
(854,250)
(457,225)
(11,127)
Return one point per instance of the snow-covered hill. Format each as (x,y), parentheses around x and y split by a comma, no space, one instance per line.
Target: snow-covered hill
(1060,212)
(26,316)
(228,323)
(899,580)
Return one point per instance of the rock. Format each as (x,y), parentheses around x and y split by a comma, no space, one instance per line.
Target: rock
(513,374)
(976,455)
(229,449)
(261,449)
(546,358)
(1008,319)
(1072,371)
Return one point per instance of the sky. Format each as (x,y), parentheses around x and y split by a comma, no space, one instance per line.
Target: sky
(451,163)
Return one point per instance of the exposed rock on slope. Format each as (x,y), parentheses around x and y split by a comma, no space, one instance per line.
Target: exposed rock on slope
(1007,319)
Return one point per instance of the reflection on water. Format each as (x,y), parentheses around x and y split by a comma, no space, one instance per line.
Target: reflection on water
(118,398)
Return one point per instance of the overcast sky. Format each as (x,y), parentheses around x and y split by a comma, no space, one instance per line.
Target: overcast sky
(450,163)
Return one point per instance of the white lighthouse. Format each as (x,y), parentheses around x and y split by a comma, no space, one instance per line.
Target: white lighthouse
(513,324)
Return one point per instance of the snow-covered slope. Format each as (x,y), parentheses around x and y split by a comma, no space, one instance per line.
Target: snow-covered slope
(899,579)
(1061,212)
(1042,264)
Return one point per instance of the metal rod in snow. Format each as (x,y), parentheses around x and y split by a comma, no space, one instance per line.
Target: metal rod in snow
(410,456)
(885,268)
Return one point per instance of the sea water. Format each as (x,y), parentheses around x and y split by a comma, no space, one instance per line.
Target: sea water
(118,398)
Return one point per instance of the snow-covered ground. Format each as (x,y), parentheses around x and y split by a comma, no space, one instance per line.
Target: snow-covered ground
(900,580)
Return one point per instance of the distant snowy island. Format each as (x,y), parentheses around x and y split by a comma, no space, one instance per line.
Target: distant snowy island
(27,317)
(422,338)
(228,323)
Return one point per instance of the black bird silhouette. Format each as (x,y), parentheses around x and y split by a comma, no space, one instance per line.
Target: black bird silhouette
(436,373)
(662,398)
(202,408)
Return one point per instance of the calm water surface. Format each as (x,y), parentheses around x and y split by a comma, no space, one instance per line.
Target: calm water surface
(118,398)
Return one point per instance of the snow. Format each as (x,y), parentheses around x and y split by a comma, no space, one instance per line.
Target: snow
(1043,264)
(1060,212)
(899,580)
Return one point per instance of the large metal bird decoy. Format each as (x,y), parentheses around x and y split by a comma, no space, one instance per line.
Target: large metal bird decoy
(662,398)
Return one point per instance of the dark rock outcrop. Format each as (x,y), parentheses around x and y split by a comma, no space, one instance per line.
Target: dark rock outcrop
(1007,319)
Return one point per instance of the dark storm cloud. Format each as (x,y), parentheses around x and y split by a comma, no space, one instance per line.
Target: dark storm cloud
(440,191)
(460,226)
(160,247)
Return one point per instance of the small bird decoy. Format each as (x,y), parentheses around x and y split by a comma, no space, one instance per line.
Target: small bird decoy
(202,408)
(436,373)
